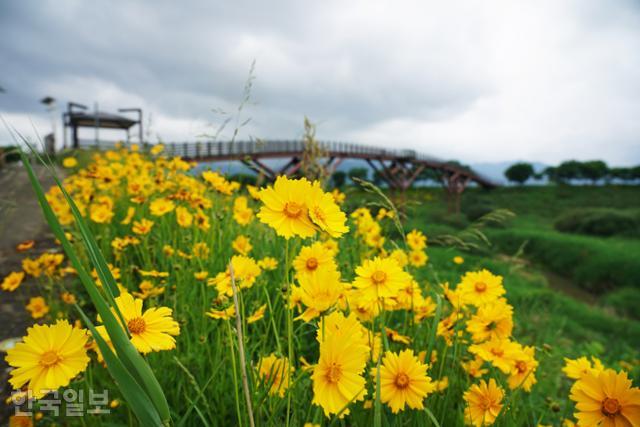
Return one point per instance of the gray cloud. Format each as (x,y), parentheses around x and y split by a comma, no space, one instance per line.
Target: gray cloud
(477,81)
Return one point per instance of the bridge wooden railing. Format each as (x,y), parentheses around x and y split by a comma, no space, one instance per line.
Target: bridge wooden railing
(400,168)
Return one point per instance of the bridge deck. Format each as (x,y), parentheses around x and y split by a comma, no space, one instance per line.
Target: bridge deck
(242,150)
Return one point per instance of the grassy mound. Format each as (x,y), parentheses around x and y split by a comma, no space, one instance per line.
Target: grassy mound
(599,222)
(593,264)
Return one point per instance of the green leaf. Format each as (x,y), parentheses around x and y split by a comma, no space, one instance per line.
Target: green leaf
(131,391)
(132,360)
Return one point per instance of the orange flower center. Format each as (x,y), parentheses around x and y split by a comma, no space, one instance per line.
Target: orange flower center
(485,403)
(521,367)
(136,325)
(379,277)
(610,407)
(49,358)
(497,352)
(312,264)
(402,380)
(480,286)
(292,209)
(333,373)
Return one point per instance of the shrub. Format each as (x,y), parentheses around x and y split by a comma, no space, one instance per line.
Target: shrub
(10,153)
(595,265)
(599,222)
(338,179)
(624,301)
(475,208)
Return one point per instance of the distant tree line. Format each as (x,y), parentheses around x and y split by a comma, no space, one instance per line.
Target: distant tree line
(573,171)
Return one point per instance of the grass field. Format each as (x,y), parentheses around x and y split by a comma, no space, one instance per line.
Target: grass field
(311,323)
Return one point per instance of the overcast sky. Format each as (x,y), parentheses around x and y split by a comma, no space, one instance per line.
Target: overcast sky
(477,81)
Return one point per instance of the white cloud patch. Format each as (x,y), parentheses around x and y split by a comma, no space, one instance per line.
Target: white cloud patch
(476,81)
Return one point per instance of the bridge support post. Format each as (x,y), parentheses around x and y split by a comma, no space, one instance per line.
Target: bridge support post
(455,183)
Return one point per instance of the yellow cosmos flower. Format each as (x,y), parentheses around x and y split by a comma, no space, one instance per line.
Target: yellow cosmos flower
(161,207)
(285,207)
(500,352)
(131,211)
(184,217)
(254,192)
(21,420)
(48,357)
(493,320)
(242,245)
(331,245)
(31,267)
(403,381)
(148,289)
(37,307)
(201,275)
(153,330)
(25,246)
(418,258)
(220,183)
(484,403)
(242,214)
(606,398)
(142,227)
(225,314)
(416,240)
(100,213)
(395,336)
(49,262)
(364,304)
(275,373)
(338,196)
(580,367)
(458,260)
(319,292)
(245,272)
(68,298)
(400,256)
(325,212)
(12,281)
(313,258)
(523,371)
(201,250)
(157,149)
(480,287)
(168,250)
(115,272)
(474,367)
(145,273)
(381,277)
(268,263)
(337,378)
(69,162)
(257,315)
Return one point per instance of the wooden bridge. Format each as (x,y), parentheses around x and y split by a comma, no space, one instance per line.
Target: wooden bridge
(398,168)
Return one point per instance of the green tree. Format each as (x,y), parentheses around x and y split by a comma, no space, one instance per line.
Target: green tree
(568,171)
(519,172)
(338,179)
(622,174)
(360,173)
(593,170)
(378,179)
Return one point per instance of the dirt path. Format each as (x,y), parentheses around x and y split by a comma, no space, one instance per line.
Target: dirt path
(20,219)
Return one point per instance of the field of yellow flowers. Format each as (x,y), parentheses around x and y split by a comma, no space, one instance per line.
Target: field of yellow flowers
(194,300)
